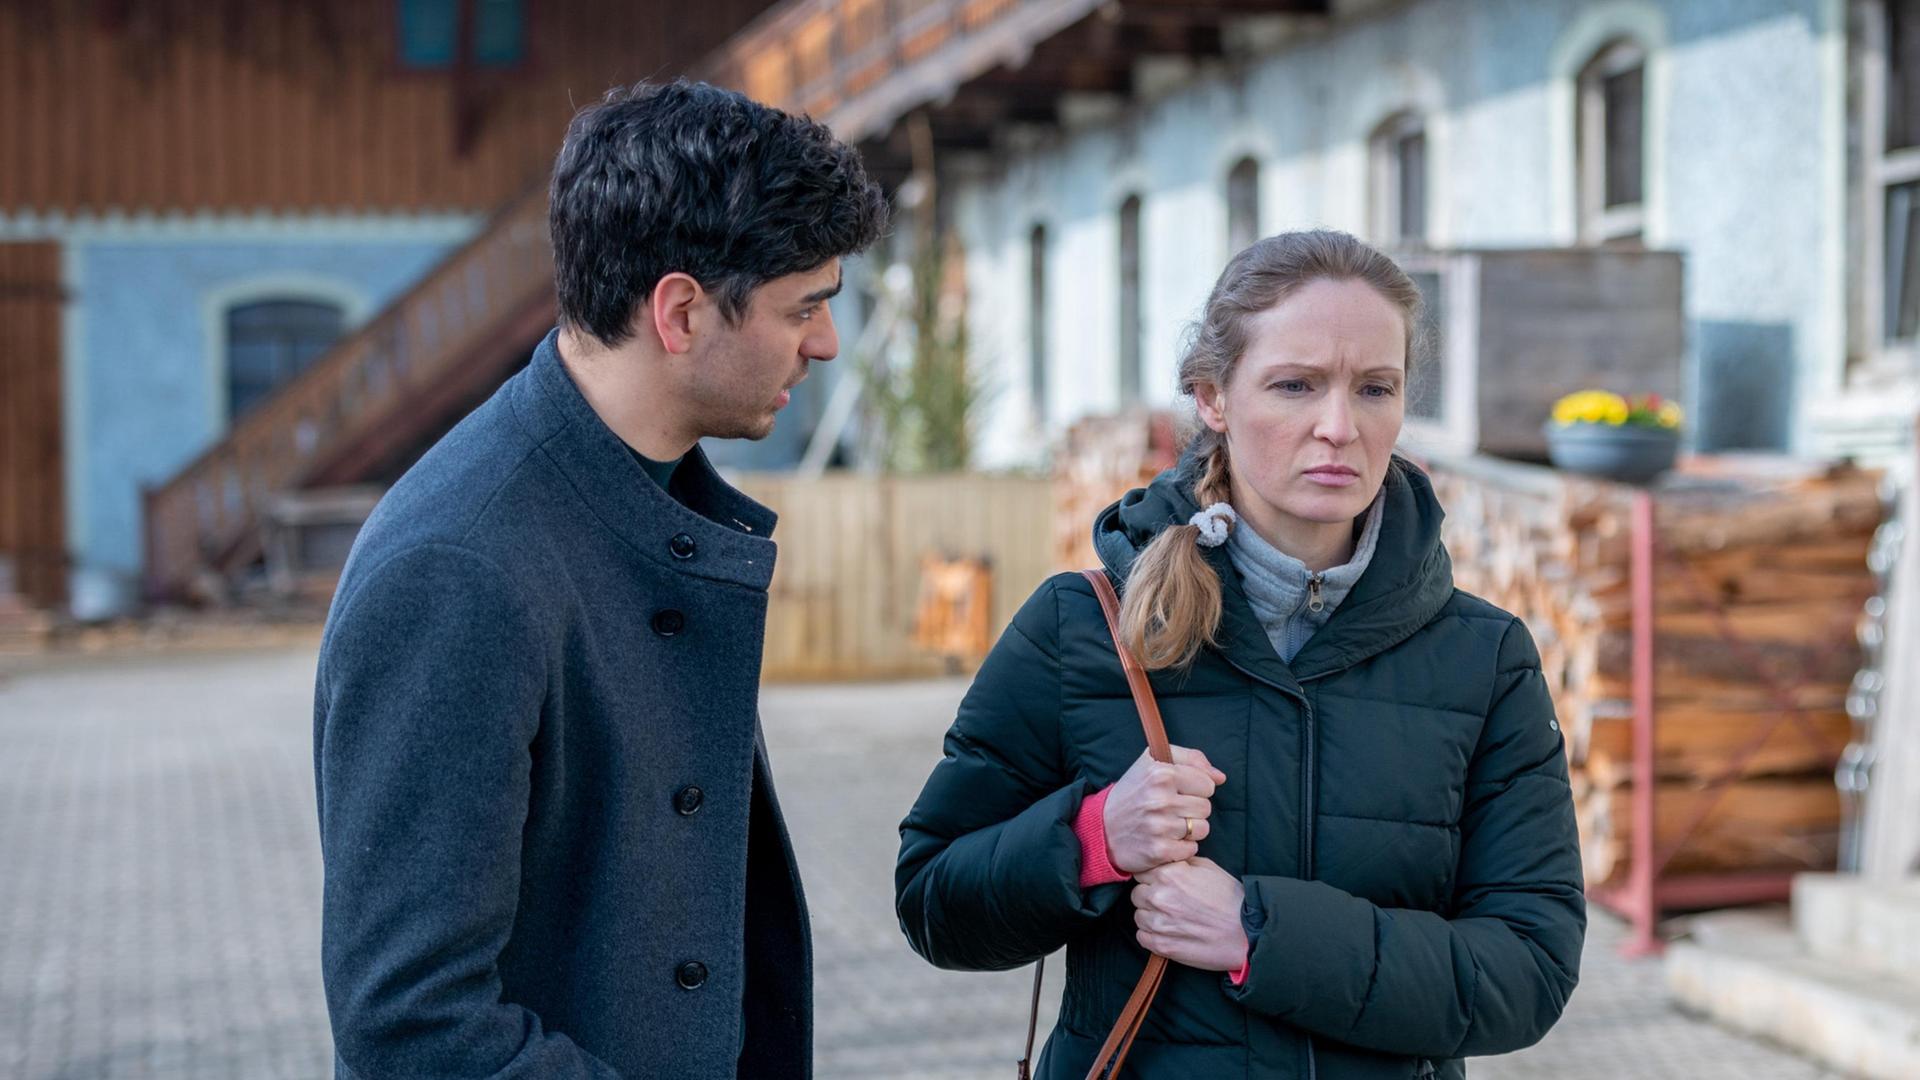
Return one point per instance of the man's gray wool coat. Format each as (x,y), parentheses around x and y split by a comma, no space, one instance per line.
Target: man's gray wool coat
(538,758)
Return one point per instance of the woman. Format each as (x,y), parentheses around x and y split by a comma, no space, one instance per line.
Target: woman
(1362,861)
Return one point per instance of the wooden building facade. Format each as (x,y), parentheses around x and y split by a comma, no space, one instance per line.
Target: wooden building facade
(147,106)
(283,153)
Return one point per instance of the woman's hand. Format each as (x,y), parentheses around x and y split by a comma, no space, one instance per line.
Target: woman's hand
(1189,912)
(1157,813)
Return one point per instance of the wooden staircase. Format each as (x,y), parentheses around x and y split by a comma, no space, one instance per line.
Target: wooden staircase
(401,378)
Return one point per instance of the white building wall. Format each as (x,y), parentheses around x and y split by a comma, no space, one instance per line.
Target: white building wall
(1745,115)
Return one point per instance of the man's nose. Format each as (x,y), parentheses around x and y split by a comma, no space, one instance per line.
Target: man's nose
(824,342)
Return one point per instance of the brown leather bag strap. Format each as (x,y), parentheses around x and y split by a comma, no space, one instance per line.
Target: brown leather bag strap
(1143,699)
(1033,1021)
(1113,1052)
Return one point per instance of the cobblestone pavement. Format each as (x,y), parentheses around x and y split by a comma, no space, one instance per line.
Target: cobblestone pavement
(159,892)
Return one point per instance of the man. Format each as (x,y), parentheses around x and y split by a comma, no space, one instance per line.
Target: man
(552,849)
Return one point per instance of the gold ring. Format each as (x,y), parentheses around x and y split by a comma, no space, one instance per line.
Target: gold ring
(1188,835)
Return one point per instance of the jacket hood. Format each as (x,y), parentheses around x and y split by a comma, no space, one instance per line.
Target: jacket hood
(1405,585)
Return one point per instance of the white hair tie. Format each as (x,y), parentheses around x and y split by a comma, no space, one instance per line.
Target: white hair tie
(1214,522)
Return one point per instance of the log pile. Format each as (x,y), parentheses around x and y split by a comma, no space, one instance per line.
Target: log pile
(1101,459)
(1760,577)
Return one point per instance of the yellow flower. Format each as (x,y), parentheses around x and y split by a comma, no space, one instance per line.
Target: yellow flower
(1591,407)
(1670,415)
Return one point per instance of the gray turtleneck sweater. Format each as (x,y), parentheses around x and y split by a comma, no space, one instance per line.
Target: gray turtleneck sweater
(1290,601)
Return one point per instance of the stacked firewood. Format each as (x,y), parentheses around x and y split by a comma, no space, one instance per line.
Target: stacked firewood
(1760,575)
(1101,458)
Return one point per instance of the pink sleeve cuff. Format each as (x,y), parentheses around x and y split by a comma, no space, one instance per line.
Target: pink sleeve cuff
(1091,827)
(1240,977)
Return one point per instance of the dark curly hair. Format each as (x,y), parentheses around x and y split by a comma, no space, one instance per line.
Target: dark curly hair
(693,178)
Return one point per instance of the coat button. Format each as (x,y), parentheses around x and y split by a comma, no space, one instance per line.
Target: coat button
(668,622)
(681,546)
(691,975)
(688,799)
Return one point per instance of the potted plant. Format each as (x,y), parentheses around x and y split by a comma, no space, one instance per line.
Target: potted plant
(1628,439)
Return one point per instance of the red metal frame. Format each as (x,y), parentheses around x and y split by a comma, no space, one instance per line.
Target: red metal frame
(1648,892)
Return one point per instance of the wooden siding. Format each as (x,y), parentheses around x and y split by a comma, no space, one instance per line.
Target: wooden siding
(847,581)
(32,499)
(172,105)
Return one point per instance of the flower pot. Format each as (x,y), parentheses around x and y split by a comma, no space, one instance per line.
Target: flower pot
(1632,454)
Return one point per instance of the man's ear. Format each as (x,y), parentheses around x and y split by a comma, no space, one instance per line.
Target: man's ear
(676,310)
(1211,403)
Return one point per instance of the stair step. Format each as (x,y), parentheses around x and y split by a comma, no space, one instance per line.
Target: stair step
(1750,971)
(1873,925)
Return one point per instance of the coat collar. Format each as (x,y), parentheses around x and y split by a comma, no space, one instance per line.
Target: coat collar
(1407,582)
(731,534)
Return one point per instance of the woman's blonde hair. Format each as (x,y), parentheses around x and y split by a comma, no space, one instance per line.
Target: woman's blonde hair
(1171,605)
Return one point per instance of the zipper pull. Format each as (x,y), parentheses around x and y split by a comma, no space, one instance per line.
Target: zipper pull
(1314,601)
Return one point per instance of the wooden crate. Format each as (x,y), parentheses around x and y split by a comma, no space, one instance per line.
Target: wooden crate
(1510,332)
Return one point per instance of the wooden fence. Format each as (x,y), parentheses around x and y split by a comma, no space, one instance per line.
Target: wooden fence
(847,580)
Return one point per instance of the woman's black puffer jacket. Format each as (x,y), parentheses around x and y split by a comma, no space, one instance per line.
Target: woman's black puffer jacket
(1396,806)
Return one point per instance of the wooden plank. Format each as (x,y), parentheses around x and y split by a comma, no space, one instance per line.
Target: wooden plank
(1790,824)
(32,500)
(1700,743)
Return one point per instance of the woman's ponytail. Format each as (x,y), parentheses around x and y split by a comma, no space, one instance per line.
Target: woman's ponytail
(1172,602)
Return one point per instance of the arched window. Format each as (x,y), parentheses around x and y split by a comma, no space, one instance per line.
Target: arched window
(1037,321)
(1130,318)
(1399,181)
(269,341)
(1243,205)
(1611,172)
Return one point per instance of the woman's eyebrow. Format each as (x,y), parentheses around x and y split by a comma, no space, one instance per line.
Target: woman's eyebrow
(1290,367)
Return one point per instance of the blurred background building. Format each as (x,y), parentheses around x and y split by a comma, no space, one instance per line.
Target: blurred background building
(1767,141)
(232,193)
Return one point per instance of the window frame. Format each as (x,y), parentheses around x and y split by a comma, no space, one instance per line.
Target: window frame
(341,312)
(1038,322)
(1598,223)
(1872,351)
(354,301)
(1131,218)
(401,67)
(1386,186)
(1243,198)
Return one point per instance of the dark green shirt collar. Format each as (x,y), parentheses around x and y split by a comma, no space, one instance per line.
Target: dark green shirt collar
(661,471)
